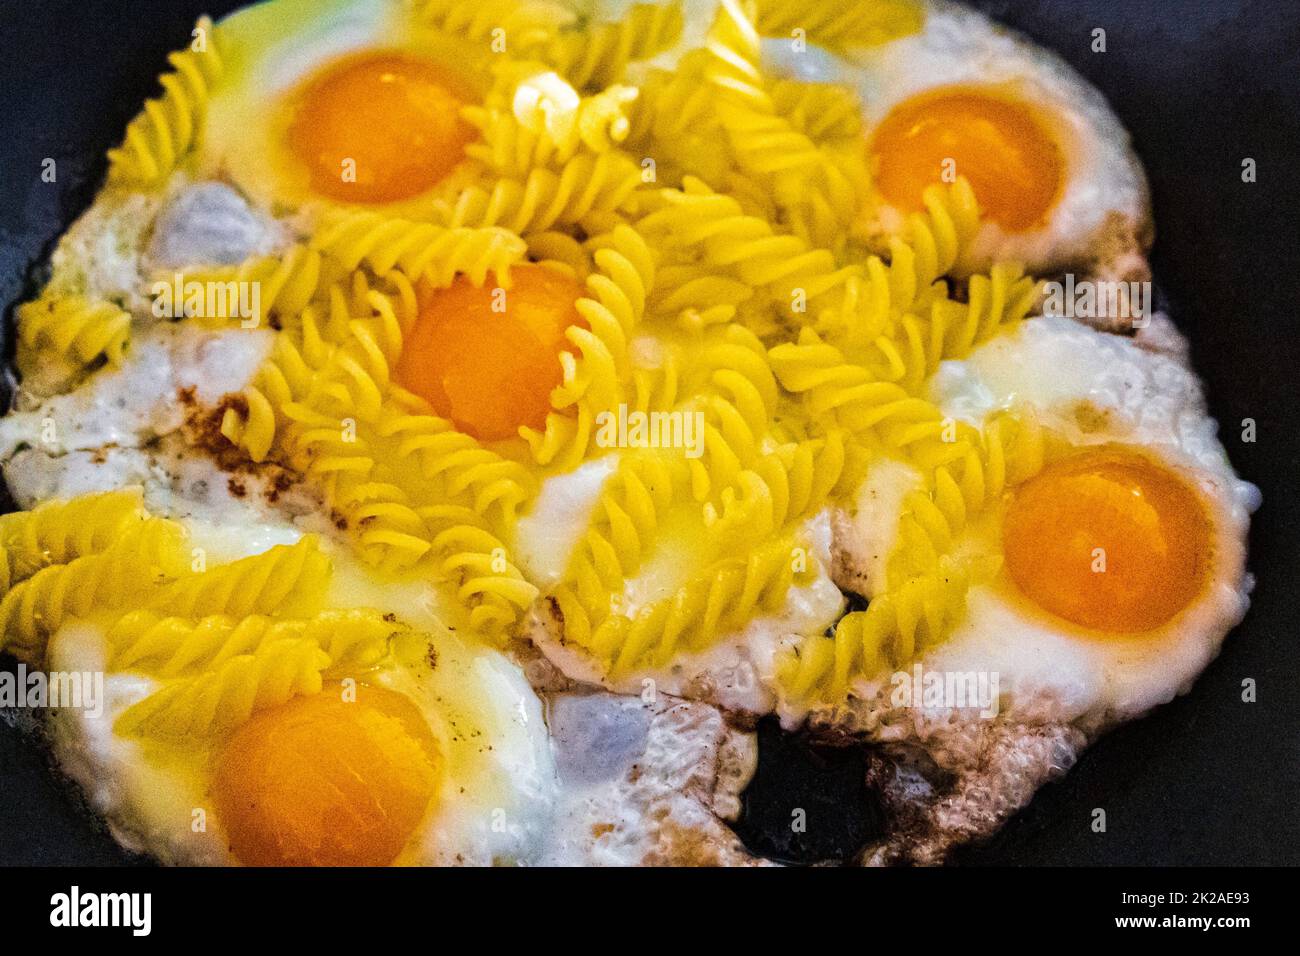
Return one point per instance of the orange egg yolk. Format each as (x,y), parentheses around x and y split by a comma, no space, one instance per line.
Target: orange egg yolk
(488,358)
(379,128)
(323,781)
(1108,540)
(1014,166)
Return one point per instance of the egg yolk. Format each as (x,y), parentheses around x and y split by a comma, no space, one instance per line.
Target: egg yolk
(488,358)
(1014,167)
(379,128)
(323,781)
(1108,540)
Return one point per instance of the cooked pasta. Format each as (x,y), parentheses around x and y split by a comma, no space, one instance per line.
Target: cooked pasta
(127,572)
(171,125)
(843,27)
(599,54)
(286,283)
(58,531)
(221,699)
(596,371)
(285,579)
(75,329)
(421,250)
(816,192)
(515,26)
(169,647)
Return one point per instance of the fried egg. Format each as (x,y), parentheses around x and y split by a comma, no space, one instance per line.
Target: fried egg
(347,101)
(440,756)
(1109,579)
(1050,163)
(1123,560)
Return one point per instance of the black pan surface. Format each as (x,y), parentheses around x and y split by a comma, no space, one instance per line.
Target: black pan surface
(1203,85)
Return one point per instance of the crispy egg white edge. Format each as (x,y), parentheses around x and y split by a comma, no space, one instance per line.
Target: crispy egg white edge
(624,760)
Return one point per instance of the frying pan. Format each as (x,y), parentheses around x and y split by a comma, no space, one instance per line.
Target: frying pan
(1202,85)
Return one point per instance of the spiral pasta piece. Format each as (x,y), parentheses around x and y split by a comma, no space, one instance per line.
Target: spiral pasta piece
(75,328)
(171,126)
(547,124)
(926,586)
(1008,451)
(421,250)
(327,354)
(355,639)
(460,466)
(128,572)
(517,27)
(622,531)
(61,530)
(190,709)
(599,363)
(589,184)
(790,484)
(824,112)
(286,282)
(599,54)
(725,597)
(893,628)
(843,394)
(698,220)
(476,561)
(841,27)
(951,330)
(285,580)
(819,193)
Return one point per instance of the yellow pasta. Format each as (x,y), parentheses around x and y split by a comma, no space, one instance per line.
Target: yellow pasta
(599,54)
(128,572)
(74,328)
(506,26)
(595,372)
(285,579)
(219,700)
(716,218)
(171,125)
(843,27)
(419,249)
(818,193)
(58,531)
(355,639)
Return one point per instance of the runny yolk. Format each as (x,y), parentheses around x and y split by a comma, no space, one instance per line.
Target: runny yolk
(379,128)
(488,358)
(1108,540)
(322,781)
(1014,166)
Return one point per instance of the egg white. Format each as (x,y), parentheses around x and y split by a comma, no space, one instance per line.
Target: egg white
(636,773)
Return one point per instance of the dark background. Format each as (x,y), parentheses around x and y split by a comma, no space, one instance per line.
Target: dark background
(1202,84)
